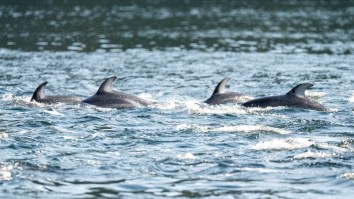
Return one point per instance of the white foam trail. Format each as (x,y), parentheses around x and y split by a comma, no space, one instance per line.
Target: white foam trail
(5,172)
(3,135)
(249,128)
(349,176)
(236,128)
(310,154)
(351,99)
(164,105)
(315,94)
(283,144)
(186,156)
(195,107)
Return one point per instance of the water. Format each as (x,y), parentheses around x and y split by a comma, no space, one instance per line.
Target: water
(174,54)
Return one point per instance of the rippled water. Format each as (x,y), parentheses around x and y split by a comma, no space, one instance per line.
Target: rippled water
(175,55)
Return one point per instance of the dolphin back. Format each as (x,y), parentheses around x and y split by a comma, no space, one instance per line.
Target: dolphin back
(108,98)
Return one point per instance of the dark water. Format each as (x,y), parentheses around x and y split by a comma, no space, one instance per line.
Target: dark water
(174,53)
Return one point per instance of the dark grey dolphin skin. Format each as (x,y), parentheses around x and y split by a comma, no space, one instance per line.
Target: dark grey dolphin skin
(294,98)
(108,98)
(40,97)
(220,96)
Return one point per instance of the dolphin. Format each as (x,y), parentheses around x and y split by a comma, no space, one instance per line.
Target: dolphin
(220,96)
(40,97)
(108,98)
(294,98)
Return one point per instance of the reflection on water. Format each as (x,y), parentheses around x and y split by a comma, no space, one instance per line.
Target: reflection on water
(242,26)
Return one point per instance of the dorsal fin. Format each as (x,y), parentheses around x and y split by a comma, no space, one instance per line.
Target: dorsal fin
(39,92)
(106,86)
(220,88)
(299,90)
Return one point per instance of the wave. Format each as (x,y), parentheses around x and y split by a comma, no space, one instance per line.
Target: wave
(236,128)
(283,144)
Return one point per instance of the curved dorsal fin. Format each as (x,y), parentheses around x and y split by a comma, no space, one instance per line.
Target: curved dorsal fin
(220,88)
(299,90)
(106,86)
(39,92)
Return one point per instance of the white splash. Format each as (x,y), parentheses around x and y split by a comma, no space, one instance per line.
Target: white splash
(3,135)
(315,94)
(349,176)
(310,154)
(5,172)
(186,156)
(202,109)
(235,128)
(283,144)
(146,96)
(351,99)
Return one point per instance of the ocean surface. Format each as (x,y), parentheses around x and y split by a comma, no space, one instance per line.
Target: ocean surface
(174,53)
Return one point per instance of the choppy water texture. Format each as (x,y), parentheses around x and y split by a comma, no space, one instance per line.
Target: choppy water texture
(174,54)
